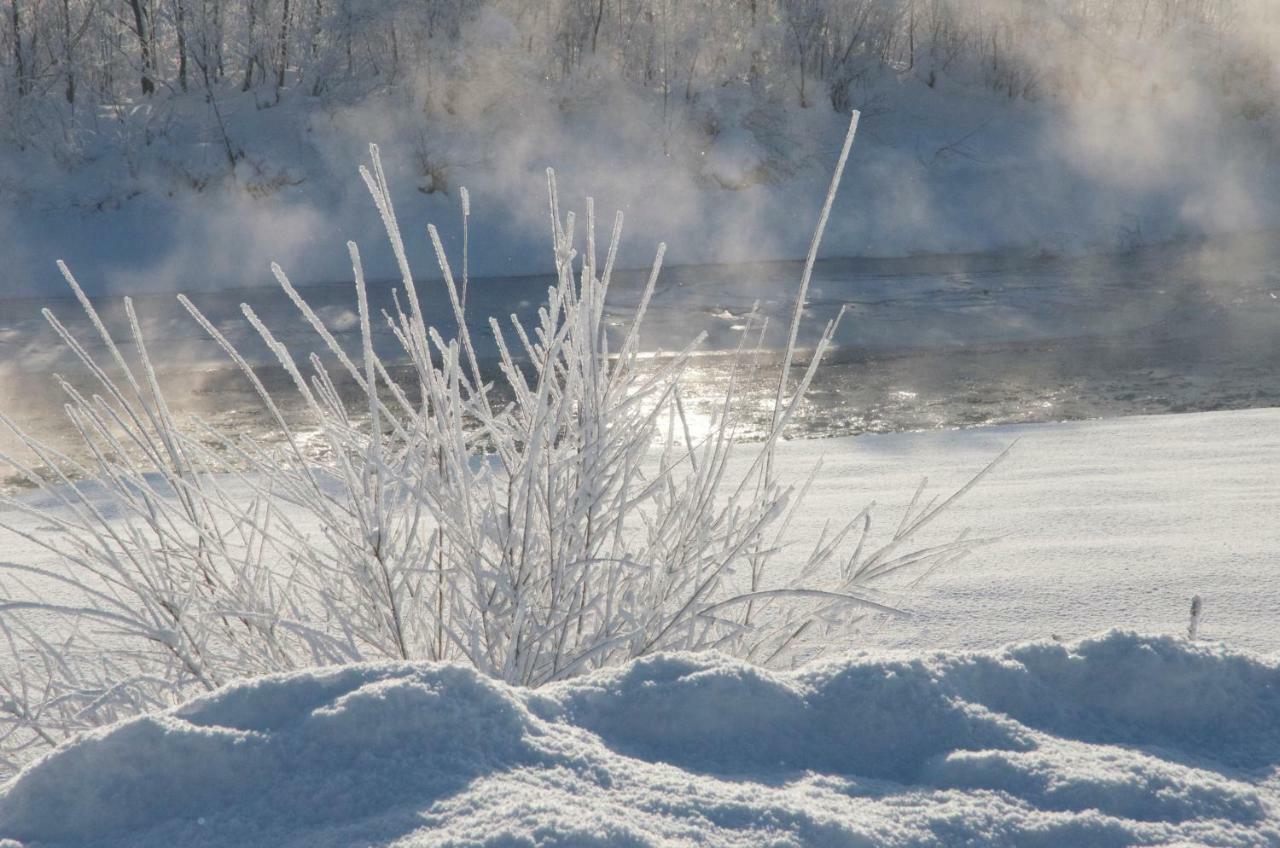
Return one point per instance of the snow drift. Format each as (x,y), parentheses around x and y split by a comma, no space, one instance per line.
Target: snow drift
(1121,739)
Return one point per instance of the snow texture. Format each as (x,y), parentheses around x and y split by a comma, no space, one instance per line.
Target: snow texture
(1115,740)
(1120,739)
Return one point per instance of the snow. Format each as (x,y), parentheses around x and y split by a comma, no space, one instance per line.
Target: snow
(1109,523)
(1097,524)
(924,731)
(1120,739)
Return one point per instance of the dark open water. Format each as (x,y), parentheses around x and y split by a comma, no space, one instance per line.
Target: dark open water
(950,341)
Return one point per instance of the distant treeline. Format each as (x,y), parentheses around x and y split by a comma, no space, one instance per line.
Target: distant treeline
(64,62)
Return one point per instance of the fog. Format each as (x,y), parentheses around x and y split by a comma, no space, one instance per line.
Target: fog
(1053,127)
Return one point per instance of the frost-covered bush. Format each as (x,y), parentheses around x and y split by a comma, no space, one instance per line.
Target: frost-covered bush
(565,522)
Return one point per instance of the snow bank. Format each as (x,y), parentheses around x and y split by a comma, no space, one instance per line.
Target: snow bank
(1120,739)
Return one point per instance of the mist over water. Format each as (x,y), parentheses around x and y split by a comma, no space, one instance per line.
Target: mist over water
(1063,127)
(936,342)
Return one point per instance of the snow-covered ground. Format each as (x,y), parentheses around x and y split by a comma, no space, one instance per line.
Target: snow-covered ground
(1113,523)
(1112,741)
(899,736)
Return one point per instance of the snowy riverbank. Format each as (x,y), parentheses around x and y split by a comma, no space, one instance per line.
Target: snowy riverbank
(1099,524)
(1116,740)
(1112,523)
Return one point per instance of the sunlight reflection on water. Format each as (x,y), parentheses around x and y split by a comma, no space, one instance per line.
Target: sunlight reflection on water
(926,344)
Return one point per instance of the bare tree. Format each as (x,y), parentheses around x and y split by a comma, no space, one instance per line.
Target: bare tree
(251,52)
(180,36)
(19,61)
(140,25)
(282,47)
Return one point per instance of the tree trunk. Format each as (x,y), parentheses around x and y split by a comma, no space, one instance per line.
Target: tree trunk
(217,31)
(144,44)
(250,46)
(19,65)
(395,48)
(180,27)
(595,31)
(282,59)
(911,37)
(68,53)
(316,30)
(348,36)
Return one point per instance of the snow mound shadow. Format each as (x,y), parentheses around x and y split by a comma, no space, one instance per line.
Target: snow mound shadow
(1117,740)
